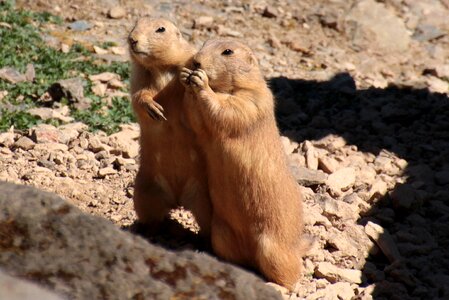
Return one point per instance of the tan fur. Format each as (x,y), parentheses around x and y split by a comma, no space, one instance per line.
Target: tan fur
(167,177)
(257,205)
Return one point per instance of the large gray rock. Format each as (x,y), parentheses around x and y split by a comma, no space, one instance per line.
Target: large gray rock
(47,240)
(17,289)
(370,24)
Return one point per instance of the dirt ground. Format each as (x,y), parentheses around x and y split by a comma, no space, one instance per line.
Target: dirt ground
(362,102)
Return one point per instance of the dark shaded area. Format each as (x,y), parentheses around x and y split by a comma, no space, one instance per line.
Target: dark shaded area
(170,234)
(414,125)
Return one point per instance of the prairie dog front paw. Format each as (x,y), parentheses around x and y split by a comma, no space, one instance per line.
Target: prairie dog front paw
(151,107)
(199,80)
(155,110)
(184,76)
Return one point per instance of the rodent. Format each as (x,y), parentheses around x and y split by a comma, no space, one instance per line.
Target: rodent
(171,171)
(257,205)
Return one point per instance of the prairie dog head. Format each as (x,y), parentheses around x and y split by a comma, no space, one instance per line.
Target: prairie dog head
(228,64)
(157,43)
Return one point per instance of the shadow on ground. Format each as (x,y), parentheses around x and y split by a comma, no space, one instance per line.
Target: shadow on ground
(173,236)
(170,235)
(412,124)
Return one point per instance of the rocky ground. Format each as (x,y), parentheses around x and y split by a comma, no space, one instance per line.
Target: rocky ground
(362,90)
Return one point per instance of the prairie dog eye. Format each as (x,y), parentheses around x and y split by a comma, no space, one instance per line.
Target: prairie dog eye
(160,29)
(227,52)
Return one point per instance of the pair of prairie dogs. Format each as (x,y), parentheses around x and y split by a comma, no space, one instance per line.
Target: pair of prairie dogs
(209,142)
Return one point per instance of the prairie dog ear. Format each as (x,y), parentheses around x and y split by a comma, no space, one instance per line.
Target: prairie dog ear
(251,59)
(251,62)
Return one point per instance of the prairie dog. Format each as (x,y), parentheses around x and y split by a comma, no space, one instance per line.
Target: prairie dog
(257,205)
(171,172)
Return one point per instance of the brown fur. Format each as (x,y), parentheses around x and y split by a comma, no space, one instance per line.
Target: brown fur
(171,173)
(257,205)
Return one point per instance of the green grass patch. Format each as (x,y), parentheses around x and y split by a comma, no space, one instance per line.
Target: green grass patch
(23,44)
(106,120)
(107,45)
(19,119)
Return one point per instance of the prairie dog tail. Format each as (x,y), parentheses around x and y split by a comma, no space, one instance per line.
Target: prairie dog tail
(279,262)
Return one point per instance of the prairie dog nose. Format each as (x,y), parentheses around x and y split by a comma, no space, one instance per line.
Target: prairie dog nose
(196,64)
(132,41)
